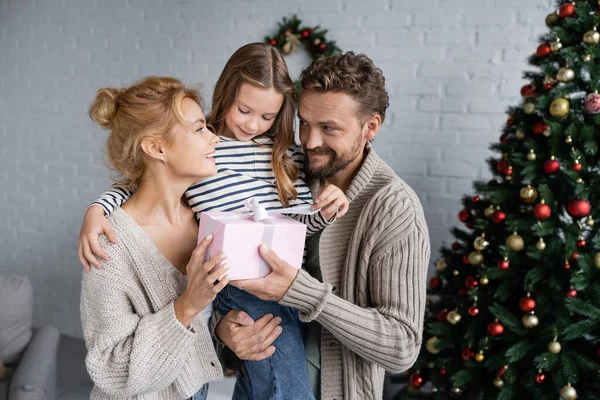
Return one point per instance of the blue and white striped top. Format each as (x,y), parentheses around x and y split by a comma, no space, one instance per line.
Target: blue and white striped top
(244,170)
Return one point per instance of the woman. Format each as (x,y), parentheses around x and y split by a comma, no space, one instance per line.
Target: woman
(145,313)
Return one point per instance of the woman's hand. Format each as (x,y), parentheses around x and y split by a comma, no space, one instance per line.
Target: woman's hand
(249,339)
(94,225)
(332,202)
(205,280)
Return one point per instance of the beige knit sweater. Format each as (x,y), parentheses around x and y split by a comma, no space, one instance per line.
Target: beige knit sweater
(371,303)
(137,349)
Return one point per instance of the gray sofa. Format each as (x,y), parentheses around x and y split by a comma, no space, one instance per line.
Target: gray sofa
(29,354)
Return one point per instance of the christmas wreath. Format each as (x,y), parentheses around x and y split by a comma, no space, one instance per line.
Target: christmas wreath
(290,35)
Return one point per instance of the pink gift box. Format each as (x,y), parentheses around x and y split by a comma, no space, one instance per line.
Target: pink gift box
(239,236)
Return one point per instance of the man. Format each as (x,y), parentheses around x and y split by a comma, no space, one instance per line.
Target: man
(368,296)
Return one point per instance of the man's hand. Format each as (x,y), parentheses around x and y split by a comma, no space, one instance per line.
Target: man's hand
(248,339)
(273,286)
(332,202)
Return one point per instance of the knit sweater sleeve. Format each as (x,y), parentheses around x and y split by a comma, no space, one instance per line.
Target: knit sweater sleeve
(389,331)
(128,355)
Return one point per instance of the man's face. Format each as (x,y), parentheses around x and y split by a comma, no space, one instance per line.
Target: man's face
(330,133)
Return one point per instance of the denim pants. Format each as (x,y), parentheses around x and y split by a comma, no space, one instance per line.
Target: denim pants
(282,376)
(202,393)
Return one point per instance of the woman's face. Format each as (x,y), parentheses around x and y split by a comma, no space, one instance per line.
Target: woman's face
(253,112)
(192,149)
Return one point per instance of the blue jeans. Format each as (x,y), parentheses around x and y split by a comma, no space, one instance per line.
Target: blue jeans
(202,393)
(284,375)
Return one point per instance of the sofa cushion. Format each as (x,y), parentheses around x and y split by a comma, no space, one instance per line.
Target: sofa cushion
(16,314)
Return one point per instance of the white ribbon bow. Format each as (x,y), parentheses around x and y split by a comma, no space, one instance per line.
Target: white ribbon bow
(259,213)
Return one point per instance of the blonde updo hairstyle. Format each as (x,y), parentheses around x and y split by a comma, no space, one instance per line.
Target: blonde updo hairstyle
(149,108)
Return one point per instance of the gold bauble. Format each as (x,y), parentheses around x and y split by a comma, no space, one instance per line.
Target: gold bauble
(475,258)
(456,390)
(597,260)
(479,357)
(554,347)
(528,194)
(499,383)
(530,320)
(565,74)
(531,156)
(515,242)
(587,58)
(489,211)
(455,272)
(453,317)
(590,221)
(568,392)
(529,108)
(430,345)
(541,245)
(556,46)
(520,134)
(569,139)
(441,264)
(560,108)
(484,280)
(591,38)
(317,41)
(480,243)
(551,19)
(546,133)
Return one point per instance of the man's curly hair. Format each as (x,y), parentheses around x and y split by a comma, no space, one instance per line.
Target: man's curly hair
(353,74)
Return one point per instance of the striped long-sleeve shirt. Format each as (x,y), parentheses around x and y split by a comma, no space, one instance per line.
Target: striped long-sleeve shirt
(244,170)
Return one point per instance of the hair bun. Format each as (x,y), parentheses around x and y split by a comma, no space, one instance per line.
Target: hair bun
(104,107)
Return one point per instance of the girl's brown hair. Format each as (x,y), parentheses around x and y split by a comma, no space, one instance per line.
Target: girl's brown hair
(149,108)
(263,66)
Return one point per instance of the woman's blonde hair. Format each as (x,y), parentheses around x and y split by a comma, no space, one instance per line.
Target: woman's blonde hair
(149,108)
(263,66)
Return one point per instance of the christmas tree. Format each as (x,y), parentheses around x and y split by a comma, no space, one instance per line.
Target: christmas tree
(514,309)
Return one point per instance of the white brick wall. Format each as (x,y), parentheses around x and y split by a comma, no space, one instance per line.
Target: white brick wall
(452,67)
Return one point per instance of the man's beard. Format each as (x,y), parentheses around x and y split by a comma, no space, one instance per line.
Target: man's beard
(335,164)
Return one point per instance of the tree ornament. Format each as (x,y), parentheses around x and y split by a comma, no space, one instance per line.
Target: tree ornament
(539,128)
(560,107)
(519,134)
(464,215)
(587,58)
(454,317)
(510,121)
(291,42)
(530,320)
(489,211)
(476,199)
(539,377)
(473,311)
(480,243)
(571,294)
(470,282)
(531,156)
(565,74)
(527,304)
(551,19)
(466,354)
(555,46)
(597,260)
(503,264)
(579,180)
(577,166)
(529,108)
(528,194)
(416,380)
(589,221)
(441,264)
(498,382)
(456,246)
(317,42)
(591,103)
(479,357)
(475,258)
(528,91)
(581,243)
(509,171)
(551,166)
(542,211)
(543,50)
(495,328)
(554,347)
(579,208)
(498,217)
(442,315)
(567,265)
(443,371)
(456,390)
(484,280)
(540,245)
(575,256)
(566,10)
(430,345)
(592,37)
(435,282)
(568,392)
(569,139)
(515,242)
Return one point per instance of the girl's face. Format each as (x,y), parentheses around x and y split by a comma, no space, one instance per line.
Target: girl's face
(252,113)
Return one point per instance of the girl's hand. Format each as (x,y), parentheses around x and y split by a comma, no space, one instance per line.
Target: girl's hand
(94,225)
(205,280)
(332,202)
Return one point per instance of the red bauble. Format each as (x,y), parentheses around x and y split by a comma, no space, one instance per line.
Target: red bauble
(456,246)
(528,91)
(548,86)
(476,199)
(577,167)
(501,166)
(442,315)
(551,166)
(509,171)
(566,10)
(322,46)
(574,257)
(503,138)
(567,265)
(527,304)
(539,377)
(466,354)
(543,50)
(501,371)
(495,329)
(503,265)
(473,311)
(470,224)
(579,208)
(435,282)
(539,128)
(416,380)
(509,122)
(571,294)
(465,259)
(273,42)
(471,282)
(498,217)
(542,211)
(305,33)
(580,243)
(464,215)
(443,371)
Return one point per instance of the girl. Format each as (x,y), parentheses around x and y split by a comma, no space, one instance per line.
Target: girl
(253,112)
